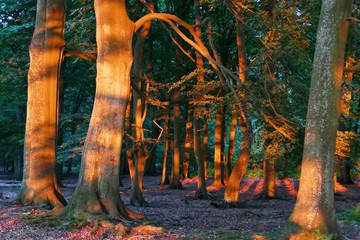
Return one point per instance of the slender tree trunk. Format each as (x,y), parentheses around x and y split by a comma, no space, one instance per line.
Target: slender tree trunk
(217,155)
(232,134)
(39,183)
(164,174)
(128,141)
(205,144)
(97,189)
(188,142)
(269,173)
(314,209)
(139,108)
(201,191)
(232,189)
(224,178)
(175,173)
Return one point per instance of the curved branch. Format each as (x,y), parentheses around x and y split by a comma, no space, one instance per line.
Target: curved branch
(197,45)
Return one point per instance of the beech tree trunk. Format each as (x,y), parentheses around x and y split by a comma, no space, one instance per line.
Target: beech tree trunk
(188,142)
(97,189)
(164,173)
(232,135)
(218,143)
(314,209)
(175,172)
(39,183)
(269,173)
(201,191)
(141,152)
(232,189)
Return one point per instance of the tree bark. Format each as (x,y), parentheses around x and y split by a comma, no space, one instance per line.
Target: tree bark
(164,174)
(201,191)
(139,110)
(188,142)
(97,189)
(314,209)
(232,135)
(175,172)
(232,189)
(217,154)
(269,173)
(39,183)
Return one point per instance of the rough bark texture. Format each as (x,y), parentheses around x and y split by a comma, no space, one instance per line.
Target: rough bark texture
(97,189)
(39,181)
(314,209)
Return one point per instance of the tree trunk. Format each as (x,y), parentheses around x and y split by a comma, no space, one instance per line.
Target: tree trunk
(97,189)
(232,134)
(175,172)
(314,209)
(188,142)
(232,189)
(201,191)
(217,154)
(269,173)
(205,144)
(39,183)
(139,111)
(128,141)
(164,174)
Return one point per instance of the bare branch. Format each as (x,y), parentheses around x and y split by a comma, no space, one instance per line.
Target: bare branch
(86,56)
(352,68)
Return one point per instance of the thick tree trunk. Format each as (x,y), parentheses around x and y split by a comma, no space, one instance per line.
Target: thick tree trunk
(314,209)
(39,181)
(97,189)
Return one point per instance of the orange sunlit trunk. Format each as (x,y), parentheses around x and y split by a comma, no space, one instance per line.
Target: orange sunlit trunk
(198,146)
(97,190)
(39,182)
(218,143)
(232,189)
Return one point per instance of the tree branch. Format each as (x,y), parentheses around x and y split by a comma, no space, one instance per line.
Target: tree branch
(352,68)
(86,56)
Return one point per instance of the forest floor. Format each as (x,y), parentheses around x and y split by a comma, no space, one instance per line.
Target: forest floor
(179,213)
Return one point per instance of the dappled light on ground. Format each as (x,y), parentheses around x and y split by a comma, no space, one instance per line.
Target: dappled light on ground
(176,211)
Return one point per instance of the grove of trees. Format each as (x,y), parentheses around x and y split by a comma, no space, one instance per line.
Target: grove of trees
(217,88)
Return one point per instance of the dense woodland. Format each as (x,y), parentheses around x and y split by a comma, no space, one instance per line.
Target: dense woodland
(217,90)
